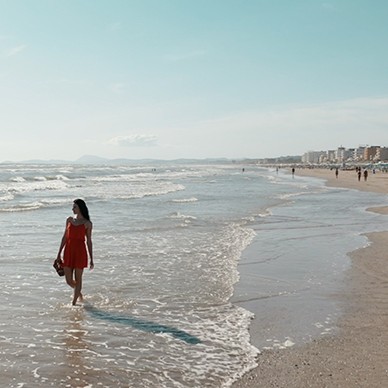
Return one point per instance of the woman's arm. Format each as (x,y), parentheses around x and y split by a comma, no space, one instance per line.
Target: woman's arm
(63,241)
(89,243)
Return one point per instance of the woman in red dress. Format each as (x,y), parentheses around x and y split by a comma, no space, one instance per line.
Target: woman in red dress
(75,256)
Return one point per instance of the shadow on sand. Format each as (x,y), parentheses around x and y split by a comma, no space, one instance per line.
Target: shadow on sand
(141,324)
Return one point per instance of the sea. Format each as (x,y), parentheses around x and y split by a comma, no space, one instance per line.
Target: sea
(188,257)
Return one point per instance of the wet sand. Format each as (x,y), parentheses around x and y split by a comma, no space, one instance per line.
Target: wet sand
(356,356)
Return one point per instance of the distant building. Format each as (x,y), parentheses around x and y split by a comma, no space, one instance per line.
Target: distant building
(382,154)
(340,154)
(331,156)
(349,155)
(370,153)
(361,154)
(358,154)
(312,156)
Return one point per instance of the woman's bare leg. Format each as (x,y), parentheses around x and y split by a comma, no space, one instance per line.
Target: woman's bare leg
(69,276)
(78,284)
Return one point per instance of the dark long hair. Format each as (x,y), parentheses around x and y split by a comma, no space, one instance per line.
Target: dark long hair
(83,208)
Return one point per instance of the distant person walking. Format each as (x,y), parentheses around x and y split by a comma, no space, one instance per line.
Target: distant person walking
(359,174)
(336,173)
(365,175)
(75,256)
(293,171)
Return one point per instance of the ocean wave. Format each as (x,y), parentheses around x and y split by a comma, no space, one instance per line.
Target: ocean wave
(127,191)
(17,179)
(61,177)
(180,216)
(30,186)
(185,200)
(6,197)
(265,213)
(299,193)
(33,205)
(22,207)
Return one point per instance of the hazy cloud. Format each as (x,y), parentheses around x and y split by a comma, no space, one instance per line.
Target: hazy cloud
(185,56)
(134,141)
(15,50)
(365,113)
(116,26)
(351,123)
(117,87)
(329,6)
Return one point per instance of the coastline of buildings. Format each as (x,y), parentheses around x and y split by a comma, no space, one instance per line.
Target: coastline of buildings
(362,154)
(365,156)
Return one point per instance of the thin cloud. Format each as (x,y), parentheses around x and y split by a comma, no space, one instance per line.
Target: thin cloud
(297,129)
(117,87)
(356,113)
(185,56)
(15,50)
(134,141)
(329,7)
(116,26)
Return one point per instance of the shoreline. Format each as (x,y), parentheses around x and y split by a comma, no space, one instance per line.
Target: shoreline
(356,355)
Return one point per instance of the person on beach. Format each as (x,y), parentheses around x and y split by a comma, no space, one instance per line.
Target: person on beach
(75,256)
(365,175)
(336,173)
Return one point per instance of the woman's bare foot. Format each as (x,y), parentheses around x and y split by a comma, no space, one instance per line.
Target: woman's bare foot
(80,297)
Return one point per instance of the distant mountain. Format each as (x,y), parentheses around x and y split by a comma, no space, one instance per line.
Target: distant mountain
(38,161)
(93,159)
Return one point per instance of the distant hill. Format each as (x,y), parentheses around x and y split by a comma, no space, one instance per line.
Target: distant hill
(91,159)
(96,160)
(38,161)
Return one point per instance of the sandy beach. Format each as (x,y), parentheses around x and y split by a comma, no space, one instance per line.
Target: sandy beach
(356,356)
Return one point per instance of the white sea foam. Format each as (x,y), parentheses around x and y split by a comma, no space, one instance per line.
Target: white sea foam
(7,197)
(22,207)
(31,186)
(185,200)
(266,213)
(17,179)
(288,343)
(35,372)
(178,215)
(62,177)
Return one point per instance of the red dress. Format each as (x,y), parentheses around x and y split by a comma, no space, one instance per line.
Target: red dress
(75,254)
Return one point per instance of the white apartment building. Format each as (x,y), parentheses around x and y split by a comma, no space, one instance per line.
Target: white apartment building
(312,156)
(331,156)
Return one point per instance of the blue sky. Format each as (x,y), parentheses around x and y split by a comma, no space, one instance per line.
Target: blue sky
(170,79)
